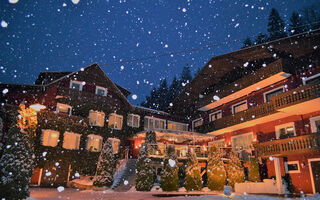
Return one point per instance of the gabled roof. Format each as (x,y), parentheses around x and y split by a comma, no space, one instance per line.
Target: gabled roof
(219,66)
(45,78)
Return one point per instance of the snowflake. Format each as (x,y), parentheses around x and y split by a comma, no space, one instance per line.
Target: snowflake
(126,182)
(172,163)
(215,97)
(13,1)
(61,188)
(122,67)
(75,1)
(48,173)
(134,97)
(184,10)
(5,91)
(77,175)
(4,24)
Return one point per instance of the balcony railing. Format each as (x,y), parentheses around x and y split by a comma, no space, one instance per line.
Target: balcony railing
(300,144)
(286,99)
(160,150)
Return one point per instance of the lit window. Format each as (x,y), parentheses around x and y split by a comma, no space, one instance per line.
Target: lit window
(50,138)
(154,123)
(315,124)
(101,91)
(96,118)
(196,123)
(242,142)
(133,120)
(285,130)
(216,115)
(312,79)
(115,144)
(239,107)
(71,140)
(115,121)
(76,85)
(217,143)
(64,108)
(272,93)
(94,143)
(175,126)
(292,167)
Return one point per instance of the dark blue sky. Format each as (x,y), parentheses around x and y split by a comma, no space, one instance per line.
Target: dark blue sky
(55,35)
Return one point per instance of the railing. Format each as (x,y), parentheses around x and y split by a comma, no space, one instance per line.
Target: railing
(160,150)
(296,96)
(288,146)
(292,97)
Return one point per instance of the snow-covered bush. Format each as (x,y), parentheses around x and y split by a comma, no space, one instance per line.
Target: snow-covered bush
(15,165)
(151,137)
(216,172)
(169,176)
(145,171)
(105,168)
(254,174)
(193,173)
(235,170)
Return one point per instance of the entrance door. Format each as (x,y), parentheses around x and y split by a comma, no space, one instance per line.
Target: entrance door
(314,165)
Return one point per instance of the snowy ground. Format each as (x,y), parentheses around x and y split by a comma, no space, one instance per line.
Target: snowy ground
(68,193)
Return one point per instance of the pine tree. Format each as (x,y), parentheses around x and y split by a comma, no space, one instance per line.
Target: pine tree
(193,180)
(311,17)
(254,174)
(216,170)
(186,76)
(145,171)
(169,176)
(234,170)
(151,137)
(247,43)
(174,90)
(105,168)
(15,165)
(162,99)
(296,24)
(276,27)
(261,38)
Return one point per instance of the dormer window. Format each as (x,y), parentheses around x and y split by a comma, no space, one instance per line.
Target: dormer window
(76,85)
(64,108)
(101,91)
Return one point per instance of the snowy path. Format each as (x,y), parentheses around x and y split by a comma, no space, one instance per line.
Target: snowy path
(69,194)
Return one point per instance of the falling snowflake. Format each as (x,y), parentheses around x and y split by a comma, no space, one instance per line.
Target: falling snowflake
(13,1)
(122,67)
(64,4)
(48,174)
(171,104)
(126,182)
(172,163)
(5,91)
(77,175)
(246,64)
(44,154)
(4,24)
(75,1)
(134,97)
(271,158)
(61,188)
(215,97)
(184,10)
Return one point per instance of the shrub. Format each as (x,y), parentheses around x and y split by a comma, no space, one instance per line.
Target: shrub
(216,170)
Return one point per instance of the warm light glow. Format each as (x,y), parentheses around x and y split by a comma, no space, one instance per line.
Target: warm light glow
(139,145)
(204,148)
(136,147)
(37,107)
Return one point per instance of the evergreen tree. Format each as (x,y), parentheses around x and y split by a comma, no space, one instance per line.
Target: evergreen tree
(311,17)
(276,27)
(105,168)
(254,174)
(247,43)
(145,171)
(216,170)
(15,165)
(174,90)
(193,180)
(186,76)
(151,137)
(234,170)
(169,176)
(162,99)
(261,38)
(296,24)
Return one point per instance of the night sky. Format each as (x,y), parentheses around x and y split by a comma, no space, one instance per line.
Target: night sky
(55,35)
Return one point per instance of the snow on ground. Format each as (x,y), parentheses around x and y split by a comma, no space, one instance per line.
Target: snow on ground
(69,193)
(84,180)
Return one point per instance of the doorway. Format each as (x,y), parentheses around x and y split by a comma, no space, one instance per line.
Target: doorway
(314,168)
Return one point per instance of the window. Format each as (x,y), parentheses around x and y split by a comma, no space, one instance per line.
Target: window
(133,120)
(292,167)
(50,138)
(315,124)
(216,115)
(77,85)
(273,93)
(101,91)
(175,126)
(115,144)
(242,142)
(196,123)
(312,79)
(154,123)
(71,140)
(285,130)
(94,143)
(241,106)
(115,121)
(217,143)
(96,118)
(64,108)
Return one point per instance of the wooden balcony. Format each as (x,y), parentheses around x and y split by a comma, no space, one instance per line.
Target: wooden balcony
(159,150)
(298,101)
(283,147)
